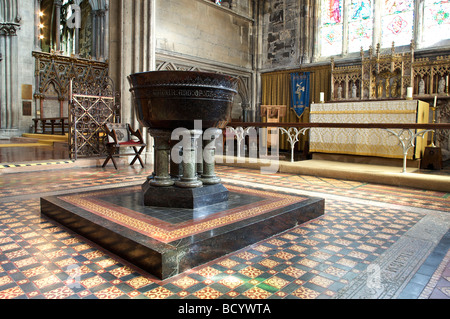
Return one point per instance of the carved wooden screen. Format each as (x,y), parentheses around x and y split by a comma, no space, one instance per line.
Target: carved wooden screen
(90,107)
(388,75)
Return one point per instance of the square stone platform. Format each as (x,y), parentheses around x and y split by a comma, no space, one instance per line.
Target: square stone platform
(168,241)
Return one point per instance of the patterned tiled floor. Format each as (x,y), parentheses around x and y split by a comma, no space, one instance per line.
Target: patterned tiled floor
(324,258)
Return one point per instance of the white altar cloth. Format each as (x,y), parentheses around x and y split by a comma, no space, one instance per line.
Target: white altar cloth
(367,142)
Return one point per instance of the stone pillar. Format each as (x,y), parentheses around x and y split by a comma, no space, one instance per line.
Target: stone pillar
(208,176)
(58,4)
(162,152)
(94,33)
(199,156)
(106,33)
(98,34)
(101,41)
(176,169)
(132,26)
(37,21)
(9,98)
(189,178)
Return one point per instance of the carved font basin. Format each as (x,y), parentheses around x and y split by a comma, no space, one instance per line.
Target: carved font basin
(174,99)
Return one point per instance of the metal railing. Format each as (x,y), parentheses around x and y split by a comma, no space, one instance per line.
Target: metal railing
(406,136)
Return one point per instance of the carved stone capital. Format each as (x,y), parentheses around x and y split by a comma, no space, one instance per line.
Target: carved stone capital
(9,29)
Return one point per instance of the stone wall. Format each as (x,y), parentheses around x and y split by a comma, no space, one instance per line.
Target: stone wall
(189,33)
(203,30)
(169,34)
(287,33)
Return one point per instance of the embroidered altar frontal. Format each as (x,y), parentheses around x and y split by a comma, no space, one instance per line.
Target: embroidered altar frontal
(168,241)
(366,142)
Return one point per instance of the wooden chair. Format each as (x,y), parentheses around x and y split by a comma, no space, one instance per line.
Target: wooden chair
(120,136)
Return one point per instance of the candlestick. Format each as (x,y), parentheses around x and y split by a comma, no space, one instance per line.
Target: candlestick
(446,85)
(409,93)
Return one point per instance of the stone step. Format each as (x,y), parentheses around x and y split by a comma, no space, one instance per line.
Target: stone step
(26,140)
(41,137)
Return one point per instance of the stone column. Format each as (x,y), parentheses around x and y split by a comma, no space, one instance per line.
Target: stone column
(98,37)
(132,25)
(189,178)
(162,152)
(176,169)
(9,97)
(199,156)
(101,39)
(94,34)
(37,21)
(58,4)
(208,176)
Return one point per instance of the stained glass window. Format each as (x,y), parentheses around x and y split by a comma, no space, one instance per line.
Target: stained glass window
(397,22)
(332,27)
(436,21)
(346,26)
(360,26)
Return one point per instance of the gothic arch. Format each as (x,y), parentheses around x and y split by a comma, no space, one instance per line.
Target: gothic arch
(57,87)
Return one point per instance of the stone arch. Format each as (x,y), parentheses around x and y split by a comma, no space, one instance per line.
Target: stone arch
(57,88)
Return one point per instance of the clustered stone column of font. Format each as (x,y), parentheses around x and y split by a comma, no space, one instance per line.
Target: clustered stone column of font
(193,167)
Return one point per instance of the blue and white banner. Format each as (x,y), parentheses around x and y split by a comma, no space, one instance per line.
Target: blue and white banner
(300,84)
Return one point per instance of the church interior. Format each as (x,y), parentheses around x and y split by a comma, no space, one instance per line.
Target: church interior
(334,157)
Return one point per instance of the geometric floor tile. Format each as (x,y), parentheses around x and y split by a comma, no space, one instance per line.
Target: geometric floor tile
(318,259)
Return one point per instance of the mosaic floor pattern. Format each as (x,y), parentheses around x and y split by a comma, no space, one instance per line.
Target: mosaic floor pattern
(319,259)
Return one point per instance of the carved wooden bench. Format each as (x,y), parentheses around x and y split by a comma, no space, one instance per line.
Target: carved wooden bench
(121,136)
(51,122)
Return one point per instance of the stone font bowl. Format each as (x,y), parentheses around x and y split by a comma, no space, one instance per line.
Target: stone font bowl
(173,99)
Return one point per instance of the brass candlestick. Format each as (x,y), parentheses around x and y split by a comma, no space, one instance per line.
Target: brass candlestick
(433,108)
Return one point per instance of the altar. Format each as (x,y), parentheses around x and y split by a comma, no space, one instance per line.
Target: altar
(366,142)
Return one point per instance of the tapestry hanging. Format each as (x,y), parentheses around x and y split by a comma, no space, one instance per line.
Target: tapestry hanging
(300,84)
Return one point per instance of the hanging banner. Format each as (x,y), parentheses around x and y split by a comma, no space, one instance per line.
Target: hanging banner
(300,84)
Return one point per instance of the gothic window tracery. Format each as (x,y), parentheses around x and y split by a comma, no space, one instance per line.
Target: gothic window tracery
(436,20)
(361,22)
(332,27)
(347,26)
(397,22)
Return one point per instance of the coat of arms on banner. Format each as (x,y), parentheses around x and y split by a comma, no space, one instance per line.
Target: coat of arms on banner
(300,84)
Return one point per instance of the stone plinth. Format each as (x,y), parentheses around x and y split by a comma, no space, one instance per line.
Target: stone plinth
(168,241)
(180,197)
